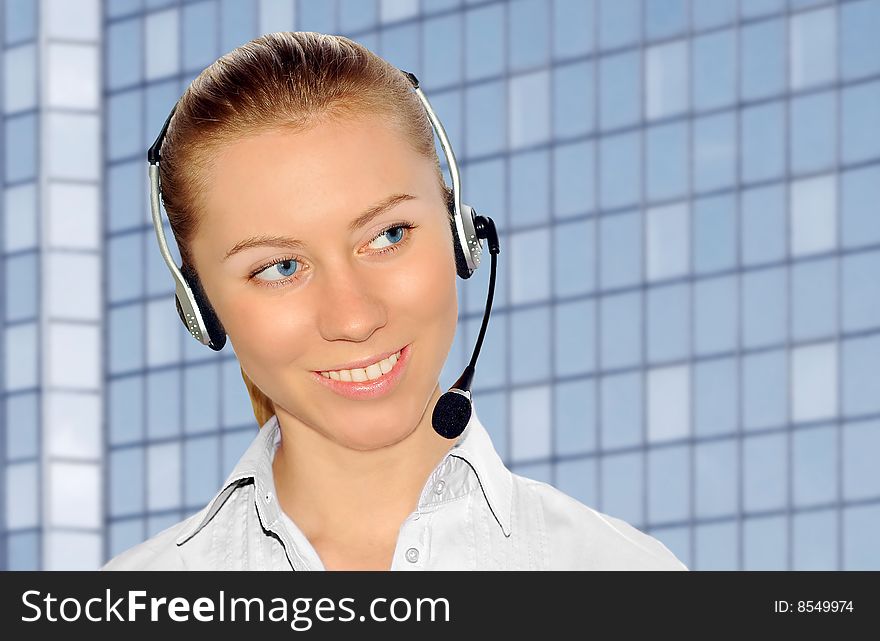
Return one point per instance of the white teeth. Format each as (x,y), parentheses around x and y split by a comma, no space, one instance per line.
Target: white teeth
(360,375)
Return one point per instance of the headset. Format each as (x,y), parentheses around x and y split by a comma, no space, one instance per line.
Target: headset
(453,410)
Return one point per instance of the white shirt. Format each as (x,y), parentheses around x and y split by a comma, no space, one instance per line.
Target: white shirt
(473,514)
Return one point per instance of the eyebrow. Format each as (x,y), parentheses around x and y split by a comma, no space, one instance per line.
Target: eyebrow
(291,243)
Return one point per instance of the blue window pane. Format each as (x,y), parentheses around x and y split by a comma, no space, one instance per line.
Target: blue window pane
(813,48)
(125,323)
(814,459)
(859,26)
(754,8)
(668,323)
(238,23)
(578,479)
(860,193)
(237,407)
(619,22)
(668,402)
(861,136)
(715,233)
(860,546)
(765,390)
(861,291)
(124,53)
(574,257)
(764,316)
(126,258)
(575,338)
(573,24)
(762,142)
(813,142)
(620,170)
(23,548)
(357,14)
(665,18)
(666,79)
(715,315)
(717,543)
(575,416)
(668,241)
(762,59)
(125,534)
(201,398)
(621,410)
(714,164)
(573,97)
(574,190)
(713,14)
(21,20)
(714,69)
(861,442)
(530,336)
(21,148)
(316,15)
(493,414)
(127,191)
(163,476)
(765,541)
(234,445)
(530,265)
(620,100)
(125,115)
(763,225)
(400,45)
(22,274)
(126,410)
(667,161)
(764,472)
(620,246)
(201,478)
(442,50)
(536,471)
(530,427)
(22,422)
(716,479)
(715,396)
(814,299)
(668,484)
(199,39)
(484,188)
(484,42)
(485,106)
(529,33)
(126,481)
(814,541)
(163,403)
(622,483)
(529,188)
(861,389)
(621,330)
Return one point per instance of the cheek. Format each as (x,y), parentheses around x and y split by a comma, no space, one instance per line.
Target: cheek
(264,332)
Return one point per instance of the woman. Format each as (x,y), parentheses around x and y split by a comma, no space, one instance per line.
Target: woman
(303,187)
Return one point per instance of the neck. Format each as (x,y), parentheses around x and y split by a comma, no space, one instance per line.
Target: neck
(332,491)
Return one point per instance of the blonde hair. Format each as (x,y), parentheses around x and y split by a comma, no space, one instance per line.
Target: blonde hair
(289,80)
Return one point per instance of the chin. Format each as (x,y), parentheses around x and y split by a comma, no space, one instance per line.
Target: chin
(371,435)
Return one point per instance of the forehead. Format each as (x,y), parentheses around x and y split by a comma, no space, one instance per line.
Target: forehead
(335,164)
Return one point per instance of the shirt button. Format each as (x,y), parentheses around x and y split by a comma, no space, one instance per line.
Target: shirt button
(268,497)
(441,484)
(412,555)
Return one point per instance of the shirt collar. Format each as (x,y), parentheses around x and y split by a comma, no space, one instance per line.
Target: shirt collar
(474,446)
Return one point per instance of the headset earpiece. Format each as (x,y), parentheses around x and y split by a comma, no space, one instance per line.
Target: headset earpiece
(216,332)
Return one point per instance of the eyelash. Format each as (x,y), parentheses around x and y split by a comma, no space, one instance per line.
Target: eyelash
(408,226)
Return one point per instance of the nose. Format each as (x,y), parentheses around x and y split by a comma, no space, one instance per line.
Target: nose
(351,304)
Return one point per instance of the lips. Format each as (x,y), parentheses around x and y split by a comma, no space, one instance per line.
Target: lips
(364,390)
(360,364)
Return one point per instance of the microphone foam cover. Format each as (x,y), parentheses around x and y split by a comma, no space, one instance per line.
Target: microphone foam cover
(451,414)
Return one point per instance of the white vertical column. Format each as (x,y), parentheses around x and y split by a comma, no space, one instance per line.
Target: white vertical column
(70,276)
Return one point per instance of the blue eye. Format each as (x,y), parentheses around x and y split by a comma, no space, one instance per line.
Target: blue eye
(285,268)
(394,234)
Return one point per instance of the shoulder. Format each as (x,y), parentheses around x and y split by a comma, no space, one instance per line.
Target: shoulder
(159,552)
(582,538)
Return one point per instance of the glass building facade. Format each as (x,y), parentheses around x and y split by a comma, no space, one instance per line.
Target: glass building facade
(687,315)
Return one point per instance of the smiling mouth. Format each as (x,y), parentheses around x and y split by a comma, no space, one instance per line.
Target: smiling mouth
(364,374)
